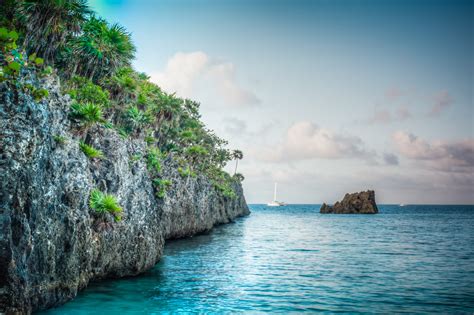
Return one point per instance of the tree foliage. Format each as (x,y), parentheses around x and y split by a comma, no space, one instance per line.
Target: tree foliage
(93,59)
(50,23)
(101,49)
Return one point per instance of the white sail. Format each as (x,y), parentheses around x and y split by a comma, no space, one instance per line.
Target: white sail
(275,202)
(275,193)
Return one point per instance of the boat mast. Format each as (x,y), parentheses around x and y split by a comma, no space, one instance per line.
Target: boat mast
(275,193)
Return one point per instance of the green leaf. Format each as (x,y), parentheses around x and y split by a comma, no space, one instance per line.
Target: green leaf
(90,151)
(15,66)
(32,57)
(39,61)
(3,33)
(39,94)
(13,35)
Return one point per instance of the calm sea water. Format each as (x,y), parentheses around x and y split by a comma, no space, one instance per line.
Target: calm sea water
(414,259)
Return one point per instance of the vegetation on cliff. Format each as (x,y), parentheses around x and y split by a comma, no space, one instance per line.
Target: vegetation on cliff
(93,59)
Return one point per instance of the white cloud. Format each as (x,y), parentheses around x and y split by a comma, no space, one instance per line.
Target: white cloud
(441,102)
(305,140)
(454,156)
(196,75)
(181,72)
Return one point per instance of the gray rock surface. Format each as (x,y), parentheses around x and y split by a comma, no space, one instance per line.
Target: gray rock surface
(361,202)
(50,244)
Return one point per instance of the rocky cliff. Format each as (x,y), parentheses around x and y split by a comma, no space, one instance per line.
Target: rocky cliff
(51,245)
(361,202)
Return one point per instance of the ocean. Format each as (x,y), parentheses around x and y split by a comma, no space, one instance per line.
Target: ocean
(411,259)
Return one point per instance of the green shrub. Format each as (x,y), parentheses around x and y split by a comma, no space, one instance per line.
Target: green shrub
(122,84)
(239,177)
(60,139)
(46,71)
(33,59)
(103,203)
(161,185)
(90,151)
(101,49)
(123,132)
(39,94)
(136,119)
(88,113)
(154,157)
(196,150)
(11,59)
(186,172)
(84,91)
(225,189)
(49,24)
(8,40)
(136,157)
(107,125)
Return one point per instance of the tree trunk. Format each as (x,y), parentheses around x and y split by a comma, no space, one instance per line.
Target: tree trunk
(236,163)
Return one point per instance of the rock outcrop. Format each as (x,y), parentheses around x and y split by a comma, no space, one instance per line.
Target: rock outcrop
(50,244)
(361,202)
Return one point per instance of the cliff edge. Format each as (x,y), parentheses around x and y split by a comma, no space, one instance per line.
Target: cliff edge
(51,242)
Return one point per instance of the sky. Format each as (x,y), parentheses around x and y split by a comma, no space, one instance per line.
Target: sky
(323,97)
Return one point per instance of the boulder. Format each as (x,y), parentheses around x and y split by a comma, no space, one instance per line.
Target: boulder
(361,202)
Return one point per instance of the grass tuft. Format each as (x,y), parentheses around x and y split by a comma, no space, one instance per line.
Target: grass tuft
(90,151)
(103,203)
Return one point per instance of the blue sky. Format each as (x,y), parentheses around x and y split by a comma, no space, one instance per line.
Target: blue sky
(324,97)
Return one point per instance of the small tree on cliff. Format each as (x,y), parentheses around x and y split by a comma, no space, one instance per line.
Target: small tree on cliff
(237,155)
(49,23)
(101,49)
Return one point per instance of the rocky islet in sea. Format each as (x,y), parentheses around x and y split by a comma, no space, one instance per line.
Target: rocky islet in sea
(359,202)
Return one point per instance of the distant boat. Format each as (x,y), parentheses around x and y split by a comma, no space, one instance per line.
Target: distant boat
(402,205)
(276,203)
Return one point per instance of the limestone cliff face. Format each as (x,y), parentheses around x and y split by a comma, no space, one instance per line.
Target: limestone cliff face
(50,244)
(361,202)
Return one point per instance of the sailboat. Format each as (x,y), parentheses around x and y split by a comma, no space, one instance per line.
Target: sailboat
(276,203)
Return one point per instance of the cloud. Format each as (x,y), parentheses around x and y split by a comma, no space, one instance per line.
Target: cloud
(393,94)
(305,140)
(454,156)
(383,116)
(441,102)
(403,113)
(390,159)
(195,74)
(234,126)
(181,72)
(394,97)
(223,75)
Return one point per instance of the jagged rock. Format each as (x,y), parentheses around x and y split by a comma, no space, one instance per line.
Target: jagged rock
(50,246)
(361,202)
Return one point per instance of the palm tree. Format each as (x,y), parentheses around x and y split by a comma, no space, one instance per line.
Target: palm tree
(102,49)
(49,23)
(237,155)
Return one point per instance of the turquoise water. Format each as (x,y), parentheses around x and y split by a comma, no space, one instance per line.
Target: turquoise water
(414,259)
